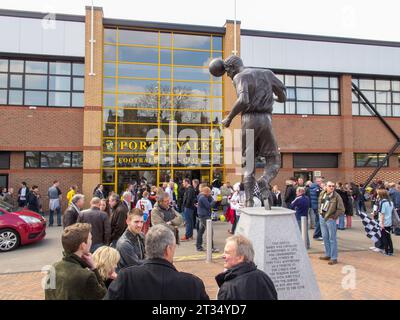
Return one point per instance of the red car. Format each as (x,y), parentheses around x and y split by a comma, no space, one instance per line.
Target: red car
(19,227)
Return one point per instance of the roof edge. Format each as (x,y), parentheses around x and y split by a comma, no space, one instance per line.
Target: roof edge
(163,26)
(309,37)
(41,15)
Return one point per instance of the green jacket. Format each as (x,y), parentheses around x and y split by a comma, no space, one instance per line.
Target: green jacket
(335,207)
(75,281)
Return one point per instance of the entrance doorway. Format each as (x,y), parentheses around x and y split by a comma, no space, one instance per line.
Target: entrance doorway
(201,175)
(126,177)
(305,175)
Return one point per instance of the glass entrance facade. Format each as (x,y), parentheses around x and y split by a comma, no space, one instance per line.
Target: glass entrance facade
(161,107)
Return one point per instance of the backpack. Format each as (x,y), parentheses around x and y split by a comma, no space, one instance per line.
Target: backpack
(395,217)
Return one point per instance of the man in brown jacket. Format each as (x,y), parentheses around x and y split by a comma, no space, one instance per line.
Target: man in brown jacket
(164,213)
(330,207)
(75,277)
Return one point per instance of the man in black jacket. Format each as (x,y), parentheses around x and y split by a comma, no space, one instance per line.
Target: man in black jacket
(157,278)
(188,207)
(72,213)
(242,280)
(101,227)
(290,193)
(33,199)
(131,244)
(119,215)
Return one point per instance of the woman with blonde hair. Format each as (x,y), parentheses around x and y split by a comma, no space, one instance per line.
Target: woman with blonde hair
(106,260)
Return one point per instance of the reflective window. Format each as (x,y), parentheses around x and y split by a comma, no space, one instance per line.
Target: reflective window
(60,83)
(165,72)
(138,37)
(384,95)
(59,99)
(309,95)
(77,159)
(55,159)
(131,85)
(36,67)
(3,80)
(109,69)
(77,99)
(369,159)
(157,77)
(3,65)
(35,82)
(15,97)
(78,69)
(191,58)
(165,57)
(110,53)
(60,68)
(137,71)
(137,54)
(17,66)
(32,159)
(165,39)
(110,35)
(109,84)
(15,81)
(3,96)
(217,43)
(304,108)
(36,98)
(192,88)
(78,84)
(45,159)
(138,100)
(192,41)
(201,74)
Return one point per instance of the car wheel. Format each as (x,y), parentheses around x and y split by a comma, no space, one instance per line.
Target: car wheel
(9,240)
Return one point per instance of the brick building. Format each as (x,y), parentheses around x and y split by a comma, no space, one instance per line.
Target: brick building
(81,111)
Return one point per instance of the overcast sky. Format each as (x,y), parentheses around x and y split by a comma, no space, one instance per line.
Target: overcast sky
(366,19)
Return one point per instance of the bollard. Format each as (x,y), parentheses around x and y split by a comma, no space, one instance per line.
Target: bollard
(304,230)
(209,240)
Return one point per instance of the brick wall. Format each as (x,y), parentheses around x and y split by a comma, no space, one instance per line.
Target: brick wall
(58,129)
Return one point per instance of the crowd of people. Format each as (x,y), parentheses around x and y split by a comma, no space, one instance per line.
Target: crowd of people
(127,238)
(118,274)
(330,207)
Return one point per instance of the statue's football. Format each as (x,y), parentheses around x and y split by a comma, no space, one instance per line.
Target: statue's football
(217,67)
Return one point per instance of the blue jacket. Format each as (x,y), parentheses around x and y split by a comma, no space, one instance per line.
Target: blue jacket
(314,195)
(301,205)
(395,196)
(204,206)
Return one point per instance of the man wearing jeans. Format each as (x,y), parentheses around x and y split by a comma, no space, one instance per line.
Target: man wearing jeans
(330,206)
(54,194)
(205,205)
(188,209)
